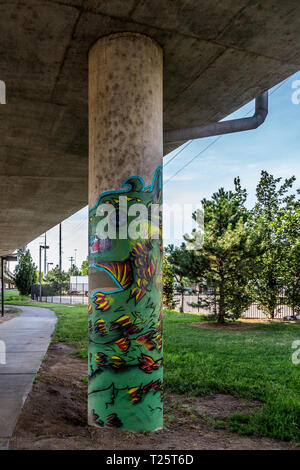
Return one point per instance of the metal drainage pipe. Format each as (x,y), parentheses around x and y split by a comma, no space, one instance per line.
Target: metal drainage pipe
(223,127)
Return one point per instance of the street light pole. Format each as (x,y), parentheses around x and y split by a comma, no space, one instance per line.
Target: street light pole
(40,268)
(45,256)
(60,230)
(45,247)
(48,264)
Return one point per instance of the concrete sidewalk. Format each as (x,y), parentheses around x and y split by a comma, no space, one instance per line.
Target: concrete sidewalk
(26,338)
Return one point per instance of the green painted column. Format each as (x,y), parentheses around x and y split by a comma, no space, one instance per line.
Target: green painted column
(125,239)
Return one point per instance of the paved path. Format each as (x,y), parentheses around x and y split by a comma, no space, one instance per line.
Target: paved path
(26,340)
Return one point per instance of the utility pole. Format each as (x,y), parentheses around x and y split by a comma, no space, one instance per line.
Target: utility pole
(60,278)
(40,274)
(60,247)
(71,259)
(45,247)
(45,256)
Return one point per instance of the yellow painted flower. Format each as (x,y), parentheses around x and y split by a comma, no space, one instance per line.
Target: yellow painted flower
(101,301)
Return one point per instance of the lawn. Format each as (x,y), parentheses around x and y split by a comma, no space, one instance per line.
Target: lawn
(13,294)
(252,363)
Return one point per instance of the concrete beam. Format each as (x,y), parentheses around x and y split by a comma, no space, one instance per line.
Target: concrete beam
(218,55)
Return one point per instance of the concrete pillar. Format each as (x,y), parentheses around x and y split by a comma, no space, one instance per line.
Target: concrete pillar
(125,245)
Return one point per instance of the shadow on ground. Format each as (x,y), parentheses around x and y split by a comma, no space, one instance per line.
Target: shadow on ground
(54,416)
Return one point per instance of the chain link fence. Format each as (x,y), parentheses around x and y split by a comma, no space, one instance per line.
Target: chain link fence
(61,293)
(282,310)
(77,294)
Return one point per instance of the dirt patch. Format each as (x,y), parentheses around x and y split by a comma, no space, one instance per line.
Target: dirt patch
(220,406)
(228,326)
(9,314)
(239,325)
(54,416)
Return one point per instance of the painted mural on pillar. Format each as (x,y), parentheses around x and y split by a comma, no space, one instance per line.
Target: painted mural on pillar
(125,311)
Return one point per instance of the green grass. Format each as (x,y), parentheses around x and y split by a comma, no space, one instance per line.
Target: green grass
(72,327)
(254,363)
(13,310)
(13,294)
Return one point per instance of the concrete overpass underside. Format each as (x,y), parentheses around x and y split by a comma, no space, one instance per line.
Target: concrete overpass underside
(218,55)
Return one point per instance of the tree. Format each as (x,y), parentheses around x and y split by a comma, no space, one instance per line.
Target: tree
(274,203)
(85,267)
(228,257)
(25,272)
(289,229)
(168,283)
(57,276)
(74,271)
(179,260)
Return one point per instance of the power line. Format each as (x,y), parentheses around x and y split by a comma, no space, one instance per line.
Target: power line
(76,229)
(176,154)
(201,152)
(213,142)
(194,158)
(279,86)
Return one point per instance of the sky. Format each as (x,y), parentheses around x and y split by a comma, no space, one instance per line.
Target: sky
(273,147)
